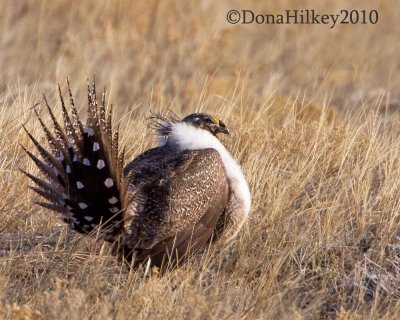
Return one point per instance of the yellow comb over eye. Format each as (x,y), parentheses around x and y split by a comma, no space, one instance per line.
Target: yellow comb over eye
(215,119)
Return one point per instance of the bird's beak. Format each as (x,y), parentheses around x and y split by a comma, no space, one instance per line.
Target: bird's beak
(222,129)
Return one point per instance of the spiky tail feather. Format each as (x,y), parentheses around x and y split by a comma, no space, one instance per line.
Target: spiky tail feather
(83,171)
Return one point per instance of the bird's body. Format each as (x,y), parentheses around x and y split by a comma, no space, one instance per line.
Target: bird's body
(165,204)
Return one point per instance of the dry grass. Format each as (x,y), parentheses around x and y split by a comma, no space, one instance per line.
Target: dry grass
(316,127)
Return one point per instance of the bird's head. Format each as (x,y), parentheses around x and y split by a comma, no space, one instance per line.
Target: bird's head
(207,122)
(163,125)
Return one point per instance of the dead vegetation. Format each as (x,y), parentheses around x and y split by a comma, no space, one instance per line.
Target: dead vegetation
(314,114)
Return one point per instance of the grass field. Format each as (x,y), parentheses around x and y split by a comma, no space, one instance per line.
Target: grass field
(314,113)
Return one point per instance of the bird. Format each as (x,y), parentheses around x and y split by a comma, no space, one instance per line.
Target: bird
(168,203)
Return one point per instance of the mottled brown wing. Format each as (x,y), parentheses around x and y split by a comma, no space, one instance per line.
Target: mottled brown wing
(178,199)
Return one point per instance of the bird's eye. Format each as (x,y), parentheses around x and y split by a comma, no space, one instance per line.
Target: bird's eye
(214,119)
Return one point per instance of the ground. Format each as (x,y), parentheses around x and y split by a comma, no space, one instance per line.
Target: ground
(314,113)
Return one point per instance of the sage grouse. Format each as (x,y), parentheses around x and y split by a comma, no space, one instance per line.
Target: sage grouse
(168,202)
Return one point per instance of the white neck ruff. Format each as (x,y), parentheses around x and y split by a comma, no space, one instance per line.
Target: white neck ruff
(188,137)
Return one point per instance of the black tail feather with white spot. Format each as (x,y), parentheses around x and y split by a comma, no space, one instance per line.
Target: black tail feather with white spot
(83,171)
